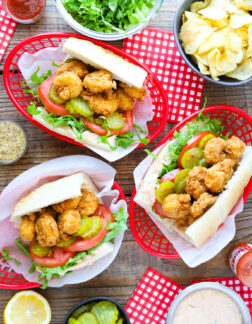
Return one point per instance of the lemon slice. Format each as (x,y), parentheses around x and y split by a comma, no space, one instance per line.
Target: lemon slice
(27,307)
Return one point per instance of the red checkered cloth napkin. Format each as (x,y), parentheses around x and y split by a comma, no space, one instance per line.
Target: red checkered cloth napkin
(155,292)
(7,28)
(157,50)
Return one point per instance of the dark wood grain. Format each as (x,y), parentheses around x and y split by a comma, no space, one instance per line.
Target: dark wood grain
(120,279)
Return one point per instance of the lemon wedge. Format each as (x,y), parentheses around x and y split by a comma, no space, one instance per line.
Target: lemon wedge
(27,307)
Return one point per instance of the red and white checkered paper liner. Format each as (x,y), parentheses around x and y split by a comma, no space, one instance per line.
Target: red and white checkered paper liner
(7,28)
(157,50)
(155,292)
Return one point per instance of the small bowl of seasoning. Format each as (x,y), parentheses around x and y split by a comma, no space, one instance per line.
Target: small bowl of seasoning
(13,142)
(208,302)
(25,11)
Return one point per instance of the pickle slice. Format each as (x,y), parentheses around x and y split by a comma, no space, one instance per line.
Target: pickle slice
(86,224)
(67,243)
(87,318)
(204,140)
(181,175)
(204,163)
(40,250)
(180,186)
(106,312)
(82,309)
(115,121)
(191,158)
(120,321)
(96,226)
(54,97)
(72,321)
(166,188)
(79,106)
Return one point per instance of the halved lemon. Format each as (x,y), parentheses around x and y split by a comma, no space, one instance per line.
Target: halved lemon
(27,307)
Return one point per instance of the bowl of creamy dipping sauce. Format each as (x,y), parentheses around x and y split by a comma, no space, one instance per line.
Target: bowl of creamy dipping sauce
(13,142)
(208,303)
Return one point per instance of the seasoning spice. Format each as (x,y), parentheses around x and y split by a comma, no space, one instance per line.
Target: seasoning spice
(12,142)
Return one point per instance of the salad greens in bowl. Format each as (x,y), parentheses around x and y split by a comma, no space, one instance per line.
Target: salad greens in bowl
(109,19)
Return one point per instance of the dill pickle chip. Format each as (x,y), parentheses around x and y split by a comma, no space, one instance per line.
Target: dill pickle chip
(79,106)
(86,224)
(82,309)
(191,158)
(166,188)
(204,140)
(120,321)
(115,121)
(180,186)
(87,318)
(204,163)
(96,226)
(67,243)
(54,97)
(181,175)
(72,321)
(106,312)
(40,250)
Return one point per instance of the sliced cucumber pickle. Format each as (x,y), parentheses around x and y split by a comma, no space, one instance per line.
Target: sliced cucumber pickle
(166,188)
(106,312)
(96,226)
(180,186)
(87,318)
(82,309)
(191,158)
(69,60)
(40,250)
(181,175)
(54,97)
(204,163)
(67,243)
(86,225)
(72,321)
(115,122)
(120,321)
(204,140)
(79,106)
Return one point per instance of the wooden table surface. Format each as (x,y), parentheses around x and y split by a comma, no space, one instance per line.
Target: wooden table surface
(120,279)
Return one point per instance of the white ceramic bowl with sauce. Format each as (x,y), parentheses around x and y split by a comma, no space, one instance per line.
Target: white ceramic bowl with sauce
(238,301)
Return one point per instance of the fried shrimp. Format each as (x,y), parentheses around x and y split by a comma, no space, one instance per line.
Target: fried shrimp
(214,150)
(177,206)
(88,203)
(76,66)
(67,85)
(125,101)
(219,175)
(27,228)
(47,230)
(102,103)
(195,182)
(200,206)
(67,204)
(68,223)
(133,92)
(99,81)
(234,147)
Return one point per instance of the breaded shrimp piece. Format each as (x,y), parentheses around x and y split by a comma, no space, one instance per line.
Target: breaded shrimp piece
(133,92)
(125,101)
(27,229)
(76,66)
(219,175)
(102,103)
(67,204)
(234,147)
(47,230)
(195,182)
(88,203)
(68,223)
(177,206)
(99,81)
(67,85)
(214,150)
(200,206)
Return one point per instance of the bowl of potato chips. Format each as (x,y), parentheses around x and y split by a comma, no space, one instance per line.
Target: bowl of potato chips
(214,38)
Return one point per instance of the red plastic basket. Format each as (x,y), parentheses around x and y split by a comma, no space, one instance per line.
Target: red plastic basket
(146,233)
(12,80)
(9,279)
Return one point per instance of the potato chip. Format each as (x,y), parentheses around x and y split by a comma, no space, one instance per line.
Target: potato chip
(218,9)
(243,34)
(190,15)
(240,18)
(243,4)
(243,71)
(223,63)
(203,58)
(221,23)
(203,68)
(193,33)
(250,40)
(215,40)
(199,5)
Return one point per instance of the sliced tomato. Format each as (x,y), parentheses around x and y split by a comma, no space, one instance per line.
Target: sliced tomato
(98,129)
(85,244)
(43,93)
(193,142)
(170,176)
(57,257)
(159,209)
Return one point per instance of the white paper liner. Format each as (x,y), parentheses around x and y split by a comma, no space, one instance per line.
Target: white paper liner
(191,255)
(143,111)
(103,177)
